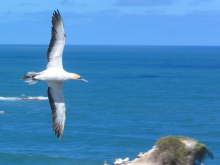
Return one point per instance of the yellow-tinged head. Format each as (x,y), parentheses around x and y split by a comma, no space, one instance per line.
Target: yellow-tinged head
(75,76)
(78,77)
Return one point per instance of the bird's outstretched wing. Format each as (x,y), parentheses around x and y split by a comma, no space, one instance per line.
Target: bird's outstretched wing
(57,42)
(56,100)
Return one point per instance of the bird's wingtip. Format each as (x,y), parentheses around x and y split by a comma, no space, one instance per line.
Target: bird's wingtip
(58,130)
(56,13)
(59,136)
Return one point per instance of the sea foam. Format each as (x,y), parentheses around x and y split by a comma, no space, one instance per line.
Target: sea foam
(23,98)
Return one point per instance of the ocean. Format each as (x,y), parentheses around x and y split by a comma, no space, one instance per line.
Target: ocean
(135,95)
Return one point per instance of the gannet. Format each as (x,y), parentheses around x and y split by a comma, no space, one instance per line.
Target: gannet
(55,75)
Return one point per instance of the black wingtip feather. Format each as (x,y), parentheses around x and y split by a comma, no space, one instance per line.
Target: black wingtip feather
(58,132)
(56,14)
(56,17)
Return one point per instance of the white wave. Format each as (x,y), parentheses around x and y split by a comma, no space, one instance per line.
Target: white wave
(2,112)
(120,161)
(23,98)
(35,98)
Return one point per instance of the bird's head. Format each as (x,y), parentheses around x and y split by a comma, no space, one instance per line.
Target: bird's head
(75,76)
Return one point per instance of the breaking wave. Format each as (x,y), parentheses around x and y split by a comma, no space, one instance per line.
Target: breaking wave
(23,98)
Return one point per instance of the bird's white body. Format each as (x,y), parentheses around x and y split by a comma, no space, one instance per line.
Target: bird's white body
(55,75)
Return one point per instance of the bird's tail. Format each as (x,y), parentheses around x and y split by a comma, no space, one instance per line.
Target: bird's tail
(30,78)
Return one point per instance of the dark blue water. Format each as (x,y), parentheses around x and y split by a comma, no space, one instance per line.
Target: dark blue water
(135,96)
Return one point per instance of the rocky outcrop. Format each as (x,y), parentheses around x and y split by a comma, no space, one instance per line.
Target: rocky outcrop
(171,150)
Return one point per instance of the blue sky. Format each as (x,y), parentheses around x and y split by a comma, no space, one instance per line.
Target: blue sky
(123,22)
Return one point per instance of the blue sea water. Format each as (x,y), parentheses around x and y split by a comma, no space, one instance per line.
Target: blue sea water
(135,95)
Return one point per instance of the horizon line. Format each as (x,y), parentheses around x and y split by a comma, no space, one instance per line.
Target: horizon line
(140,45)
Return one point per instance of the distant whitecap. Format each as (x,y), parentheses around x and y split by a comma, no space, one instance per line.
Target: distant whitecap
(23,98)
(35,98)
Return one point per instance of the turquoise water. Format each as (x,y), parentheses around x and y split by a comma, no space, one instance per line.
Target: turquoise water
(135,95)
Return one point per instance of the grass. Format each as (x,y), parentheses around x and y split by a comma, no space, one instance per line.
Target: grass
(174,149)
(174,152)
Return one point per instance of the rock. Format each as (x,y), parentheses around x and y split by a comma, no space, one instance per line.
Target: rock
(171,150)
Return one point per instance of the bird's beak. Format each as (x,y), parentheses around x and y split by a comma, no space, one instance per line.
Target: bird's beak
(82,79)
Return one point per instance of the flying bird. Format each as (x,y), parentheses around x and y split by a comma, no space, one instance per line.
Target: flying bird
(55,75)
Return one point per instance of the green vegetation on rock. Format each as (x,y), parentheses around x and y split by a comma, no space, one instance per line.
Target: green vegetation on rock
(202,151)
(174,150)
